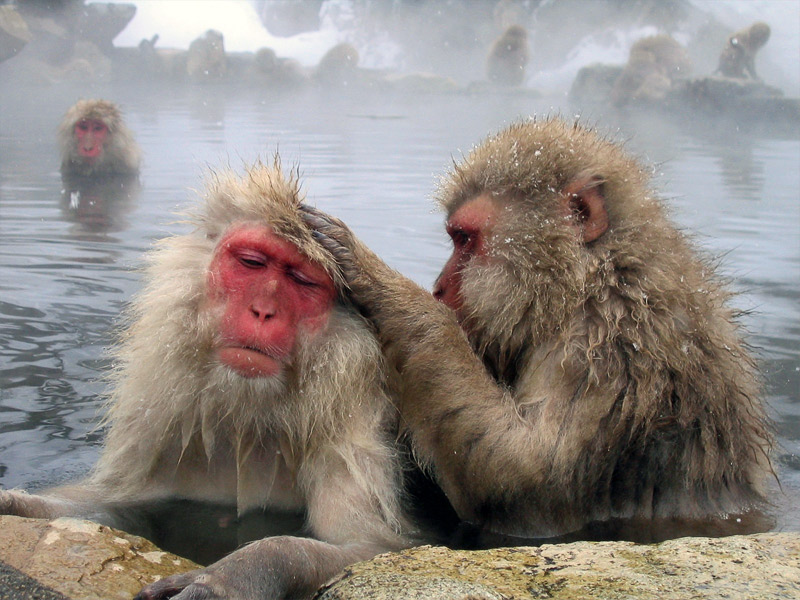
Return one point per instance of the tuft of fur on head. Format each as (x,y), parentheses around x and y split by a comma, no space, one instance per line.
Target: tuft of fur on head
(170,397)
(231,198)
(121,154)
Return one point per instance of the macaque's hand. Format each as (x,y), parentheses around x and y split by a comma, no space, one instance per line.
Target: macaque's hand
(23,504)
(249,573)
(373,286)
(336,237)
(6,503)
(271,569)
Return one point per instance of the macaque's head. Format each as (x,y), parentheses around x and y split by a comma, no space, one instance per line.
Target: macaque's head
(531,213)
(759,35)
(268,288)
(94,139)
(267,295)
(240,327)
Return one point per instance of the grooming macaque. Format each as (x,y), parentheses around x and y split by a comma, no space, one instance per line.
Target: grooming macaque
(654,64)
(577,362)
(94,141)
(243,380)
(738,58)
(508,57)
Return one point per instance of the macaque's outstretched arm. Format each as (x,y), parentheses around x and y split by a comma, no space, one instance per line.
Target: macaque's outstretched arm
(460,419)
(72,501)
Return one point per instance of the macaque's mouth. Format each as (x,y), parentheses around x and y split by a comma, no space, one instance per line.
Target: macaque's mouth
(250,361)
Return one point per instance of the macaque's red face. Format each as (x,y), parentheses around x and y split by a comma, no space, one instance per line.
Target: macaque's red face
(266,293)
(469,227)
(91,135)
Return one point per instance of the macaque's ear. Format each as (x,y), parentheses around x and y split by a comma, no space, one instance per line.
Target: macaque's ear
(584,199)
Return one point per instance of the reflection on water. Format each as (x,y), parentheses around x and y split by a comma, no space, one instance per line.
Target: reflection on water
(69,252)
(99,205)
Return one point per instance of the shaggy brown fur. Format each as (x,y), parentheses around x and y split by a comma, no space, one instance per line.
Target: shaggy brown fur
(599,381)
(738,58)
(121,154)
(319,439)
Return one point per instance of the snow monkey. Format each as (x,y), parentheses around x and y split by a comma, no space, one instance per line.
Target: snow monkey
(244,379)
(508,57)
(738,58)
(578,361)
(654,65)
(94,141)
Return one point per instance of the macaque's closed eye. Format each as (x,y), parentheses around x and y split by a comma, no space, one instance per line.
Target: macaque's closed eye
(251,258)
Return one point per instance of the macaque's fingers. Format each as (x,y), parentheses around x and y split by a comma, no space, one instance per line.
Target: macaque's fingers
(170,586)
(312,211)
(329,226)
(6,503)
(333,235)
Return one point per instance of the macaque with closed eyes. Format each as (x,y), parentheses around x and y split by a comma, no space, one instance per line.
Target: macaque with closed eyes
(578,362)
(244,379)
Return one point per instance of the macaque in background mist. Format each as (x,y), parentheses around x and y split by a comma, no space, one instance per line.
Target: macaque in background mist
(338,66)
(738,59)
(206,59)
(244,380)
(577,362)
(654,64)
(95,141)
(508,57)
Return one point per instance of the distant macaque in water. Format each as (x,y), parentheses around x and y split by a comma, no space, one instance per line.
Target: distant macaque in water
(738,58)
(654,64)
(603,378)
(508,57)
(95,141)
(338,66)
(243,379)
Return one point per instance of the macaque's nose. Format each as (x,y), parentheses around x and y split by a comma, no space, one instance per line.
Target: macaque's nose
(438,290)
(265,304)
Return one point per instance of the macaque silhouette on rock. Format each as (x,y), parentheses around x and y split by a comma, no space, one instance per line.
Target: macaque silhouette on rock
(738,58)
